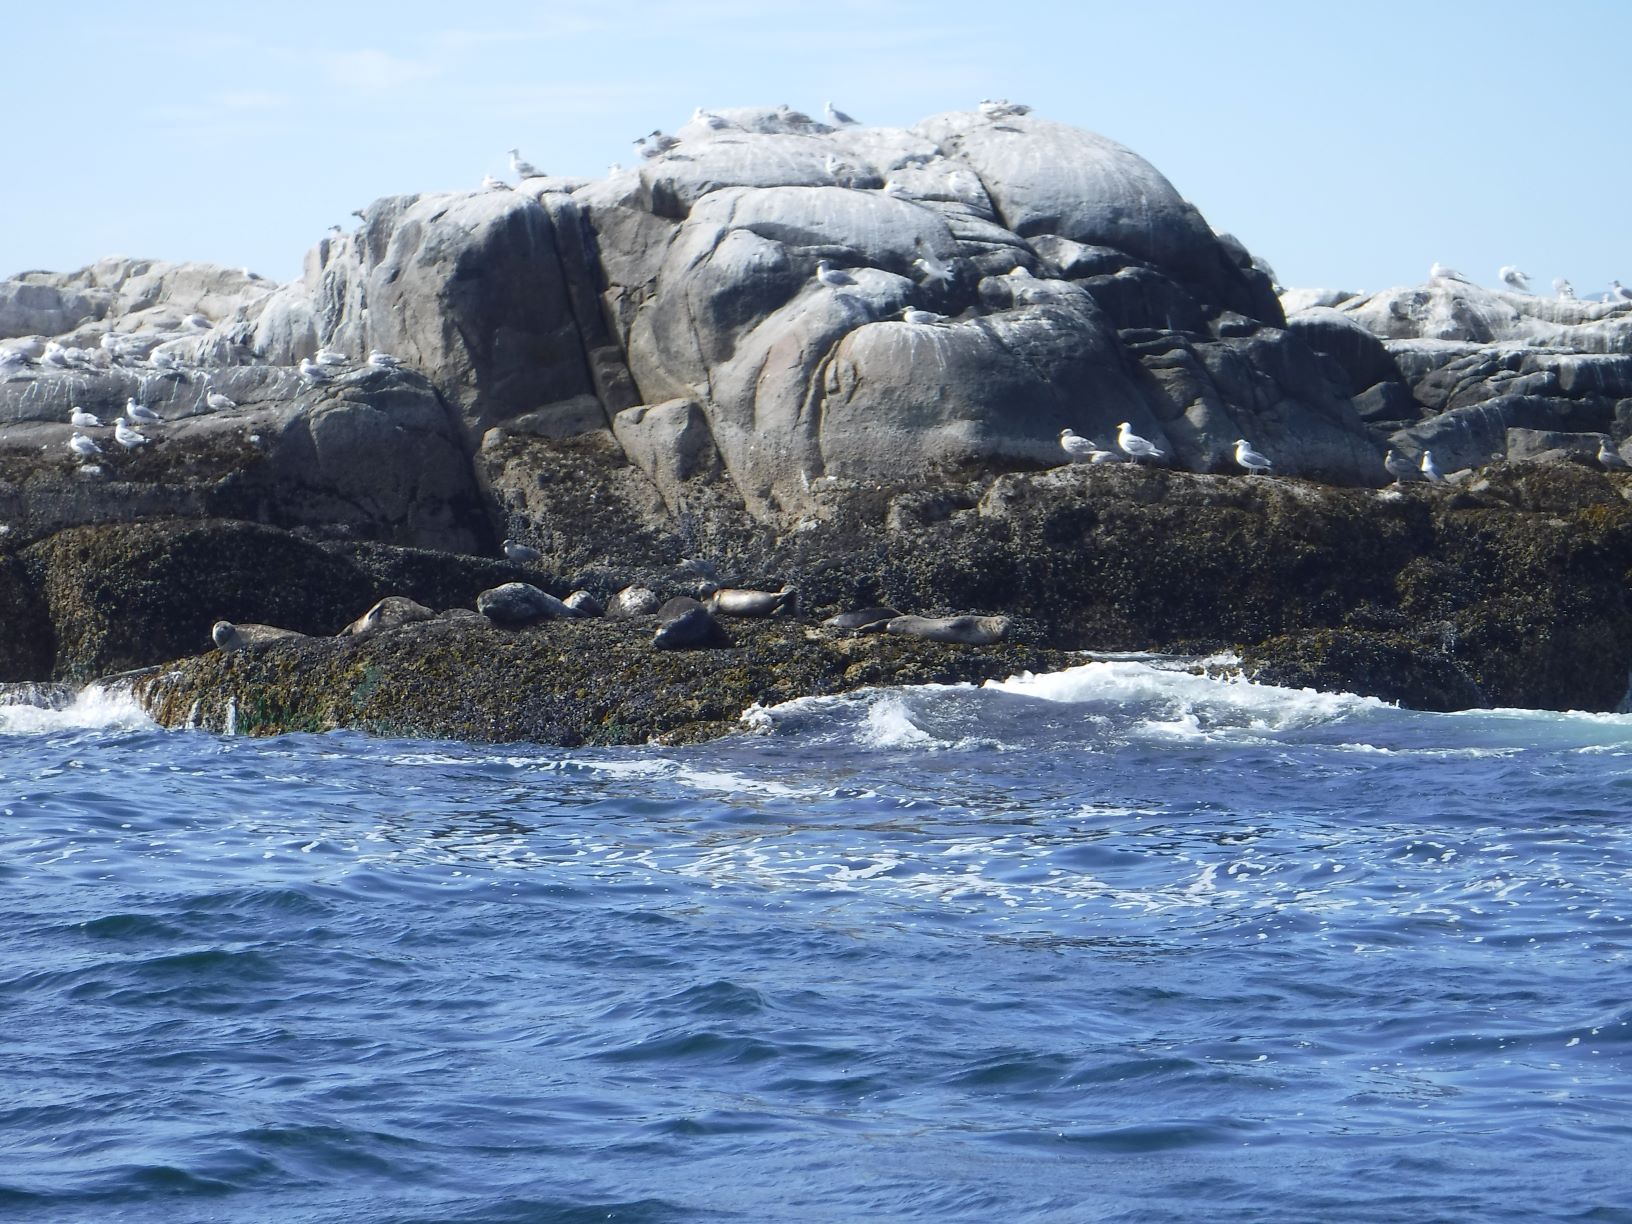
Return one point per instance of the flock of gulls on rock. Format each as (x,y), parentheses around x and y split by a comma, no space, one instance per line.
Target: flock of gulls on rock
(136,416)
(1510,276)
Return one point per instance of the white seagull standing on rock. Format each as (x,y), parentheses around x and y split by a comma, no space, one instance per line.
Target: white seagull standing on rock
(1609,457)
(1401,468)
(523,169)
(1430,469)
(85,420)
(838,118)
(1619,292)
(384,361)
(832,277)
(1249,458)
(1135,447)
(521,554)
(1440,272)
(921,318)
(220,402)
(314,373)
(1083,450)
(1563,288)
(141,412)
(489,183)
(1515,279)
(934,269)
(83,447)
(332,357)
(128,437)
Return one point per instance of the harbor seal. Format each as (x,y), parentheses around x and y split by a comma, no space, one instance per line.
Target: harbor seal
(389,613)
(584,604)
(964,630)
(735,601)
(631,602)
(229,637)
(520,603)
(684,623)
(860,618)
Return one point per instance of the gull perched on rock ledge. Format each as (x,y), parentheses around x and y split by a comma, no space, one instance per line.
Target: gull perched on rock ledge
(1430,469)
(1440,272)
(1515,279)
(1564,289)
(1249,458)
(523,169)
(832,277)
(1135,447)
(1401,468)
(1083,450)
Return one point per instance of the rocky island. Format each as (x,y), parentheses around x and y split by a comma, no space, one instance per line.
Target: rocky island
(830,361)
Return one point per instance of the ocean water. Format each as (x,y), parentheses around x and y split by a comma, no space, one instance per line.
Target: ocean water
(1116,944)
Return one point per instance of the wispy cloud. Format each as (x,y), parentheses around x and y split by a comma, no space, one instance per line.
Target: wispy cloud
(372,70)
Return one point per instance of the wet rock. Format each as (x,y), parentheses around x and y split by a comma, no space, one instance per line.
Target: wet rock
(1393,667)
(631,602)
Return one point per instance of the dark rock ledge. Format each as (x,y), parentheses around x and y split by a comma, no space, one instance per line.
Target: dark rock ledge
(560,682)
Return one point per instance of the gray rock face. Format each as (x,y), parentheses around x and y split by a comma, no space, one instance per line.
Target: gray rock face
(370,455)
(521,603)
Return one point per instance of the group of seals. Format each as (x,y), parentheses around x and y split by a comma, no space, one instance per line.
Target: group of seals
(682,622)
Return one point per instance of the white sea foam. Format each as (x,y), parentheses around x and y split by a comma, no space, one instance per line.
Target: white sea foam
(93,708)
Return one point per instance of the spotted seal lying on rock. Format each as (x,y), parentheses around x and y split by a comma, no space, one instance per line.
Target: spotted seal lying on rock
(683,623)
(230,637)
(633,601)
(860,618)
(964,630)
(389,613)
(584,604)
(735,601)
(520,603)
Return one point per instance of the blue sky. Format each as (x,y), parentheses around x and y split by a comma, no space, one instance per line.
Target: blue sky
(1350,145)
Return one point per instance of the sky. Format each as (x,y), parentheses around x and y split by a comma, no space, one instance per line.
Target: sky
(1349,145)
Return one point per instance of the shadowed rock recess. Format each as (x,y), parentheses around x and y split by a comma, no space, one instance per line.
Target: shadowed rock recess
(701,372)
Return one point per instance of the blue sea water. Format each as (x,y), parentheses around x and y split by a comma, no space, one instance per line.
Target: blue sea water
(1119,943)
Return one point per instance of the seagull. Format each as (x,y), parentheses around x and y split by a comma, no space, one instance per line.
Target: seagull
(1440,272)
(164,361)
(11,356)
(521,554)
(1564,289)
(999,108)
(383,361)
(220,402)
(196,320)
(921,317)
(1081,449)
(1249,458)
(83,447)
(655,143)
(332,357)
(1135,447)
(933,268)
(831,276)
(1620,291)
(489,183)
(1401,468)
(523,169)
(1610,457)
(128,437)
(141,412)
(707,117)
(1513,277)
(838,118)
(1429,468)
(55,355)
(85,420)
(314,373)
